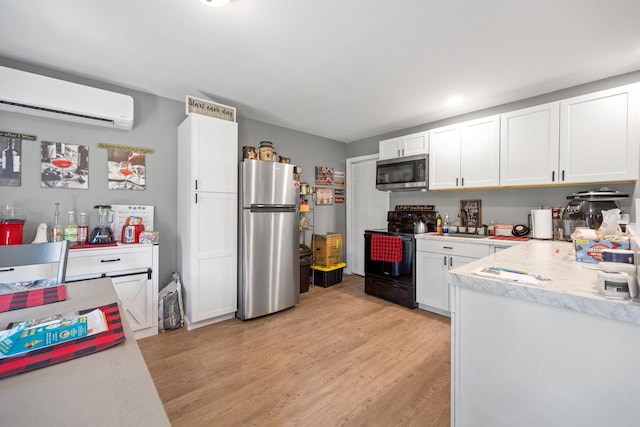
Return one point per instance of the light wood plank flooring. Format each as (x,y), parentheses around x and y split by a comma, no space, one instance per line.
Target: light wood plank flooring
(340,357)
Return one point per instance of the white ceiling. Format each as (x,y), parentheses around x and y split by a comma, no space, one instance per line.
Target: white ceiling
(342,69)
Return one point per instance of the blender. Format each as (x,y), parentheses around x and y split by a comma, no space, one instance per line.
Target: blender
(103,232)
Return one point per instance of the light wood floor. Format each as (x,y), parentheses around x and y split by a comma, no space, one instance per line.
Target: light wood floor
(340,357)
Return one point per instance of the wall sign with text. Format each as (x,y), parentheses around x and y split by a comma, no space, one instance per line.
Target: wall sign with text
(209,108)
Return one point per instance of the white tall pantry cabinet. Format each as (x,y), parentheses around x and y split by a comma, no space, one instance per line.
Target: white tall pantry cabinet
(207,218)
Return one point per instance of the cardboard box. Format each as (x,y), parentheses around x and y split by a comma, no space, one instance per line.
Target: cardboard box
(327,249)
(591,250)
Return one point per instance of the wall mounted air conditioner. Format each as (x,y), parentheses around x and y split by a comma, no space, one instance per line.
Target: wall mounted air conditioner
(38,95)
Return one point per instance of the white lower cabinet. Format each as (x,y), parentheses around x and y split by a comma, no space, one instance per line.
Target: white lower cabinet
(133,269)
(434,259)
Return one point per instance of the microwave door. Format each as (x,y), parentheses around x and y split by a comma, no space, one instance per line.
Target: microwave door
(402,173)
(395,173)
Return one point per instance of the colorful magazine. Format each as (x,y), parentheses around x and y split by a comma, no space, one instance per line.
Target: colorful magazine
(34,334)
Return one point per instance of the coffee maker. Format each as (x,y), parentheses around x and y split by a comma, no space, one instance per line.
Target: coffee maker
(103,233)
(584,209)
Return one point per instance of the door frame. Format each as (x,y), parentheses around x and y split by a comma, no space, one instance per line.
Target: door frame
(349,191)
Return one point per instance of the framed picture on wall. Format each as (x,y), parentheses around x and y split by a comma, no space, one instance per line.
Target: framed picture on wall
(471,212)
(324,196)
(11,158)
(324,175)
(64,165)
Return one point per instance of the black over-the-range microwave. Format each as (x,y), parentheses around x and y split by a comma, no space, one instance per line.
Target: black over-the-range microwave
(403,173)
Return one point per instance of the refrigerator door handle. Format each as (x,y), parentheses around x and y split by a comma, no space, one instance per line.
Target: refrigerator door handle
(273,208)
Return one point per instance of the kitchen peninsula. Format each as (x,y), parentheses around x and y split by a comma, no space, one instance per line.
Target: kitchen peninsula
(556,353)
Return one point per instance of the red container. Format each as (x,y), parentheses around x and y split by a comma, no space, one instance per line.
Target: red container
(11,231)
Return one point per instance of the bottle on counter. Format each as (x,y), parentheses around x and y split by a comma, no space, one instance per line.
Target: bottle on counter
(71,228)
(439,224)
(491,230)
(83,229)
(57,232)
(445,224)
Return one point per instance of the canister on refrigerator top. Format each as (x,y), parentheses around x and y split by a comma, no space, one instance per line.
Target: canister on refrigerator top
(266,151)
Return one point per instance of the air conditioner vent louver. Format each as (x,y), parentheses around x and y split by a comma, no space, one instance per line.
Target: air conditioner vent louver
(49,110)
(38,95)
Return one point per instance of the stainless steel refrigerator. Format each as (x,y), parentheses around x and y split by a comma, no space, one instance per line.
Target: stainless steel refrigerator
(268,253)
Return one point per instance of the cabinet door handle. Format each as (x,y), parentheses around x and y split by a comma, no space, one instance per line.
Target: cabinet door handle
(445,260)
(456,182)
(563,175)
(462,182)
(450,261)
(196,198)
(110,260)
(553,176)
(196,184)
(447,247)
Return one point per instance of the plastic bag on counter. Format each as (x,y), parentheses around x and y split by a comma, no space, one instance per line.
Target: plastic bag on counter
(609,226)
(170,308)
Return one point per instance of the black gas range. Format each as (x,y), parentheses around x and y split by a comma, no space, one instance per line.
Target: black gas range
(395,280)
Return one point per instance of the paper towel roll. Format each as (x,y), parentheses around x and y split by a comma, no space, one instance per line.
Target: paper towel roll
(542,224)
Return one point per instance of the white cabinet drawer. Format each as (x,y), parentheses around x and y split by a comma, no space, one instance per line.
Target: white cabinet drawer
(90,263)
(473,250)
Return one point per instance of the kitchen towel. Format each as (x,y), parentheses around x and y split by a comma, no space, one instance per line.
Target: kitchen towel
(386,248)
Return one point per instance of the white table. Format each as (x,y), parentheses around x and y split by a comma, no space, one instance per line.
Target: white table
(110,388)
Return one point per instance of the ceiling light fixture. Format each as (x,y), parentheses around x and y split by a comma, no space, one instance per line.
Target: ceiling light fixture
(455,100)
(216,3)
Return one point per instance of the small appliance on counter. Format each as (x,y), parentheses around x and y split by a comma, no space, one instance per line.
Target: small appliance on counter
(131,230)
(103,233)
(585,209)
(11,224)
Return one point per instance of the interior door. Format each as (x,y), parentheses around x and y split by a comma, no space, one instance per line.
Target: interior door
(366,208)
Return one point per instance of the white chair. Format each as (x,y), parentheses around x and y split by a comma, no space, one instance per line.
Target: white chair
(20,263)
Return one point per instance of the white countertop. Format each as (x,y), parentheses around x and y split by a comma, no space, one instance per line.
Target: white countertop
(458,237)
(573,285)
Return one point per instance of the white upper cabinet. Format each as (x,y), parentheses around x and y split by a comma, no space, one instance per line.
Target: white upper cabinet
(529,145)
(465,155)
(444,157)
(480,153)
(214,161)
(599,136)
(402,146)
